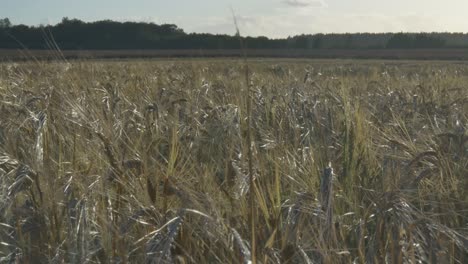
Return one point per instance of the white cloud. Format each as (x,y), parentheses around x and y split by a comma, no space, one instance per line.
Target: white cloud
(284,22)
(304,3)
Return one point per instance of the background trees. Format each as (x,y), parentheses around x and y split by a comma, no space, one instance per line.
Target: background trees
(108,34)
(5,23)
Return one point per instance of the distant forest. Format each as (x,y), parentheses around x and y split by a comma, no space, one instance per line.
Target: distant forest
(74,34)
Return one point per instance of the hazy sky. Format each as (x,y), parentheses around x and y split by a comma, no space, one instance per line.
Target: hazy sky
(273,18)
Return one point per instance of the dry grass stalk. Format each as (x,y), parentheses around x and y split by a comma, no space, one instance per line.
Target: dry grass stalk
(181,140)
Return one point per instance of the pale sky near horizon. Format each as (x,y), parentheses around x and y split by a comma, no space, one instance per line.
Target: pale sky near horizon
(273,18)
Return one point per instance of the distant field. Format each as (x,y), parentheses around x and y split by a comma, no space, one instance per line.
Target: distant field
(413,54)
(201,161)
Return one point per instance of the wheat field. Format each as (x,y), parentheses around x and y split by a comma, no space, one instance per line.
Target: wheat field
(190,161)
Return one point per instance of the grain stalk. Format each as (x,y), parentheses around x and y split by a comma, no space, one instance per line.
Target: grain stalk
(249,148)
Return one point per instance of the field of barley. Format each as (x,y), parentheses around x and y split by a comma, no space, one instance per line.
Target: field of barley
(225,161)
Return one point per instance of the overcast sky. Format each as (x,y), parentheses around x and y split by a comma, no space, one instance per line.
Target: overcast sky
(272,18)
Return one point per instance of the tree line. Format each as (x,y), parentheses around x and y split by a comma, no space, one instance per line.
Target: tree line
(74,34)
